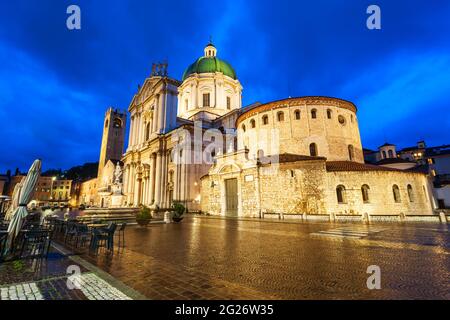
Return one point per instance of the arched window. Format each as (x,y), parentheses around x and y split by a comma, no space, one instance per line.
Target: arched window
(297,114)
(147,131)
(117,123)
(365,193)
(341,119)
(292,173)
(410,193)
(313,113)
(384,154)
(351,152)
(228,103)
(329,114)
(340,193)
(313,150)
(391,154)
(243,127)
(396,193)
(280,116)
(206,100)
(265,119)
(253,123)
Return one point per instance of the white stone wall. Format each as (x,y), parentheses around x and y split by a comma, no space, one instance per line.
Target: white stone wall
(305,187)
(219,86)
(294,135)
(381,199)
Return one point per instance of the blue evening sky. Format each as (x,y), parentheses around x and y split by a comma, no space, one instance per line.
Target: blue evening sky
(55,84)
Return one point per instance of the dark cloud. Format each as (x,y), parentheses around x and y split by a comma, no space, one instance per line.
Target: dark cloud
(55,84)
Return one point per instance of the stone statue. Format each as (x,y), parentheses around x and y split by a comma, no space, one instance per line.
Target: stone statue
(117,185)
(118,174)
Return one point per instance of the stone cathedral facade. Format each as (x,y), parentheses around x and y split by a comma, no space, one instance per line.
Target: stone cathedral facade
(292,156)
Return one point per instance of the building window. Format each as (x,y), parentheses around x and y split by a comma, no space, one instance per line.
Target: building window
(243,127)
(410,193)
(292,173)
(329,114)
(265,120)
(384,154)
(341,119)
(391,154)
(147,131)
(228,103)
(253,123)
(106,123)
(351,152)
(280,116)
(117,123)
(206,100)
(365,193)
(396,193)
(297,114)
(313,150)
(340,193)
(313,113)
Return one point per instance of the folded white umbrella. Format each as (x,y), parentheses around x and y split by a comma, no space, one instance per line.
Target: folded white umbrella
(14,199)
(26,194)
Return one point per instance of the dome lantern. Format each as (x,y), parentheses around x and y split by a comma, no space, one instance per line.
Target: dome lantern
(210,50)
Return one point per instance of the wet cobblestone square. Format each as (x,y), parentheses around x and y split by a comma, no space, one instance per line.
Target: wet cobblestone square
(210,258)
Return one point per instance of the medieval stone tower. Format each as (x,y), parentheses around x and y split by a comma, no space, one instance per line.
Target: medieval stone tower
(113,137)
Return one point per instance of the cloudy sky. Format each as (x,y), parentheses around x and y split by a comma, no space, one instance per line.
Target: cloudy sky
(55,84)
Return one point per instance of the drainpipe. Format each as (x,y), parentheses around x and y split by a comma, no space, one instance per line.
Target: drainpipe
(258,189)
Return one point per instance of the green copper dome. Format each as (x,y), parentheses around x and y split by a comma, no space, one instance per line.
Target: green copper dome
(210,65)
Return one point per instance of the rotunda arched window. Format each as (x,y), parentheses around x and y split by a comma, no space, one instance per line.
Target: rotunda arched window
(365,193)
(313,113)
(340,194)
(280,116)
(329,114)
(396,193)
(313,150)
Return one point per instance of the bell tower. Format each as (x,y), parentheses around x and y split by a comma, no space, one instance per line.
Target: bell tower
(113,137)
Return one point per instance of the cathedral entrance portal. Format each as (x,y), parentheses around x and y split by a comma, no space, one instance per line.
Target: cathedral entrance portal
(231,197)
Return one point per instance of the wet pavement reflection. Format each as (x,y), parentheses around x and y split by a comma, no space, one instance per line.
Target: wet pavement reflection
(211,258)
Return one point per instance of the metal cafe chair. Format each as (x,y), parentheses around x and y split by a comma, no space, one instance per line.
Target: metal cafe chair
(35,243)
(82,234)
(103,237)
(121,233)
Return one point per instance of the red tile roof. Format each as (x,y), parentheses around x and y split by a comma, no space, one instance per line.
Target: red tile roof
(355,166)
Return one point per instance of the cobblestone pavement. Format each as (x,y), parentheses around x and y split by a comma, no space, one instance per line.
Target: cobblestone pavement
(214,258)
(211,258)
(50,280)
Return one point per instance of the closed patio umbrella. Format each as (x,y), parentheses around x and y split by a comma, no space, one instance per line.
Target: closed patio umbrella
(14,199)
(26,193)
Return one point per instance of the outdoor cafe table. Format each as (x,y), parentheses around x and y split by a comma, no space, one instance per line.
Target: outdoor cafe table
(97,225)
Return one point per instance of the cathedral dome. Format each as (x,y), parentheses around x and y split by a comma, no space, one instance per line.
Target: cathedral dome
(209,63)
